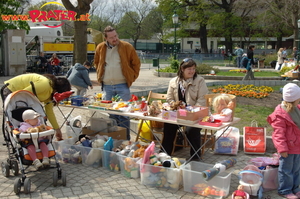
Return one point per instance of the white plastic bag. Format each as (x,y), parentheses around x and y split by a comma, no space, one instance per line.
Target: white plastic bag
(73,127)
(228,142)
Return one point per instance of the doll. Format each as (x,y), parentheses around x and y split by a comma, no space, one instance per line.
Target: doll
(222,106)
(31,124)
(239,193)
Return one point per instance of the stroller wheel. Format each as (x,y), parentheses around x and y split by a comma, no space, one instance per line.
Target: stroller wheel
(27,185)
(55,178)
(17,186)
(5,169)
(15,167)
(64,178)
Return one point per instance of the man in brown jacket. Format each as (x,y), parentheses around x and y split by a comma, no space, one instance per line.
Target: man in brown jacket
(118,66)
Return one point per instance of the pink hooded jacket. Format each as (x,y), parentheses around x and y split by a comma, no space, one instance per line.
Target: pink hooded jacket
(286,134)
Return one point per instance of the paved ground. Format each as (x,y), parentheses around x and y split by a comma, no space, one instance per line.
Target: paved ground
(90,182)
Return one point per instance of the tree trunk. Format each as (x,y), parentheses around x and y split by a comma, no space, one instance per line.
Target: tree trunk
(203,38)
(80,45)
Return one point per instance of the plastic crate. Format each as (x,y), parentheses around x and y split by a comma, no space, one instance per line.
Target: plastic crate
(110,161)
(158,176)
(194,182)
(91,156)
(71,153)
(129,167)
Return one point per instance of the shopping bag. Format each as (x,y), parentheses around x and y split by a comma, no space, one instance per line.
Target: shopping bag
(145,132)
(254,139)
(228,142)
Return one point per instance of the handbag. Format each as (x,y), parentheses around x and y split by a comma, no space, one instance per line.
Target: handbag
(254,139)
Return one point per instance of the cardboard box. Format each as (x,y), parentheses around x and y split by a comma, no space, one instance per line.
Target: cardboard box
(120,134)
(192,117)
(292,74)
(169,115)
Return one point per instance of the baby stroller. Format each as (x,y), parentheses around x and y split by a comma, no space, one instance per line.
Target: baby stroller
(13,107)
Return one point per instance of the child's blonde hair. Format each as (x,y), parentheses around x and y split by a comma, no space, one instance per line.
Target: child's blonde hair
(217,99)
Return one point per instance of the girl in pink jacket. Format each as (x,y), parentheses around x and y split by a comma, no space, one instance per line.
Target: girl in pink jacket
(285,121)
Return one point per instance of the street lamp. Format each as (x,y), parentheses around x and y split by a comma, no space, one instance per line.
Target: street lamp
(175,21)
(298,50)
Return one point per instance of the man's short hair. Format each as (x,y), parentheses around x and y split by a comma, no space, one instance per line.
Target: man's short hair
(108,29)
(87,63)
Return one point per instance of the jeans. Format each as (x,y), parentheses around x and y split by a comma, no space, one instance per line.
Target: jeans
(123,91)
(238,61)
(289,174)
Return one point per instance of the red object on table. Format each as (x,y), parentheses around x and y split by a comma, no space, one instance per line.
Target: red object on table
(216,123)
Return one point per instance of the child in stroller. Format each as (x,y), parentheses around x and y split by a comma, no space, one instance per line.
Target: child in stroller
(31,124)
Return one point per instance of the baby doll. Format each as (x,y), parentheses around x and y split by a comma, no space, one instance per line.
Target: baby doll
(222,106)
(239,193)
(31,120)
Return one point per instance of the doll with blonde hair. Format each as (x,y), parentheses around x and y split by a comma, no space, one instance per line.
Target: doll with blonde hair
(222,106)
(239,193)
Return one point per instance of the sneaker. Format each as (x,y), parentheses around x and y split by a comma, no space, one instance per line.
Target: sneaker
(37,163)
(46,161)
(289,196)
(298,194)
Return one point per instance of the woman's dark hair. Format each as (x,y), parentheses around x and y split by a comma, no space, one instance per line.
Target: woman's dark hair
(59,84)
(251,47)
(186,63)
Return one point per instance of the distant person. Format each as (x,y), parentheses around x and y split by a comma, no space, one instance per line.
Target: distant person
(295,53)
(239,53)
(280,58)
(78,76)
(54,61)
(118,66)
(43,62)
(249,73)
(284,53)
(197,50)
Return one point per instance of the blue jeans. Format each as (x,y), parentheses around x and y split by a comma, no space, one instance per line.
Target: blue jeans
(289,174)
(238,61)
(123,91)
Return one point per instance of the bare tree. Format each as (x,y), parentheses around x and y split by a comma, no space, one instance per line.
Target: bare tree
(80,25)
(287,11)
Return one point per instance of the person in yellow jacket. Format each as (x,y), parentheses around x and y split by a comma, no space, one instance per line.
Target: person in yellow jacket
(45,86)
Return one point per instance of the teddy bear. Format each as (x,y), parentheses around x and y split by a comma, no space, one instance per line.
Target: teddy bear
(95,153)
(155,108)
(37,129)
(131,167)
(139,152)
(177,105)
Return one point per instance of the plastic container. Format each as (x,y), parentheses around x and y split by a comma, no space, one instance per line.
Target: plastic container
(71,153)
(158,176)
(110,161)
(129,167)
(91,156)
(194,182)
(251,178)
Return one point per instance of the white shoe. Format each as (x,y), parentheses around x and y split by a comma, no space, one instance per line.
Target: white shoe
(46,161)
(37,163)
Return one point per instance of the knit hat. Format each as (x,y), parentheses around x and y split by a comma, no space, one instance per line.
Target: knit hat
(291,92)
(29,115)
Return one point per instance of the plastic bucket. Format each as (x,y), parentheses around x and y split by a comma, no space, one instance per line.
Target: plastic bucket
(251,179)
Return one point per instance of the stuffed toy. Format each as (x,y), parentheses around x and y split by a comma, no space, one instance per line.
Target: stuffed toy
(37,129)
(114,164)
(95,154)
(131,167)
(155,108)
(139,152)
(177,105)
(174,178)
(84,140)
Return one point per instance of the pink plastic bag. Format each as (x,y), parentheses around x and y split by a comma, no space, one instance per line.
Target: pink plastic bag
(265,161)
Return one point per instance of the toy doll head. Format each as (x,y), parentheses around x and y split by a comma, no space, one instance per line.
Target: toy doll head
(221,102)
(31,117)
(240,187)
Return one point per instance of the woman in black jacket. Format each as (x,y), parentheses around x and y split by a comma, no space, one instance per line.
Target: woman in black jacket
(249,74)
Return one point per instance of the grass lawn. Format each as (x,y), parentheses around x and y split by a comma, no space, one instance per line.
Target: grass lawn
(257,74)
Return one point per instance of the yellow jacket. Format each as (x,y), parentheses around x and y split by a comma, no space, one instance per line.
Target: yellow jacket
(43,91)
(130,61)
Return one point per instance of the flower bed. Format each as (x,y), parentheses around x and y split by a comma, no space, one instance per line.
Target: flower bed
(245,90)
